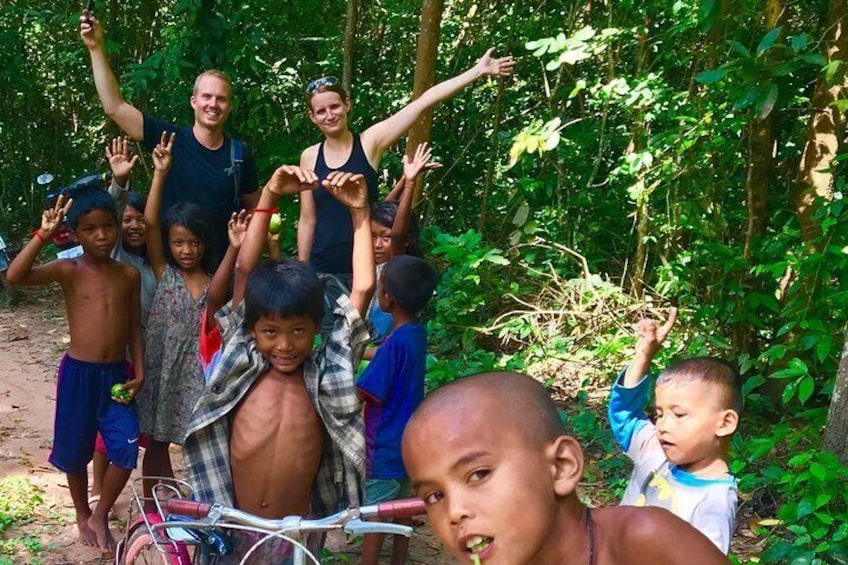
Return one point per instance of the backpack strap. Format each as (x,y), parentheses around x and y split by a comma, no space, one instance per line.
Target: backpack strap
(236,159)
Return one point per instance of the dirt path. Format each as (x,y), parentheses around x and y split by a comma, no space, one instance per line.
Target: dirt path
(33,337)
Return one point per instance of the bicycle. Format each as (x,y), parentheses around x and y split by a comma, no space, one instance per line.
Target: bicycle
(183,531)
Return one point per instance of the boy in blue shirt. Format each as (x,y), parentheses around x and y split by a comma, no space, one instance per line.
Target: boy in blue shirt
(392,387)
(680,462)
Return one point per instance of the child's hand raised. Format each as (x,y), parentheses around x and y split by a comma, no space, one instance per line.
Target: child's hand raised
(237,228)
(348,188)
(651,335)
(52,218)
(412,167)
(488,65)
(162,157)
(289,179)
(119,159)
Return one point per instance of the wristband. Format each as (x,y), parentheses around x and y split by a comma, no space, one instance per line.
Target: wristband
(39,236)
(266,210)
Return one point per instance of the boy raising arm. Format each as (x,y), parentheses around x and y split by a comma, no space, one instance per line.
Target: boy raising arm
(279,421)
(680,463)
(102,299)
(488,455)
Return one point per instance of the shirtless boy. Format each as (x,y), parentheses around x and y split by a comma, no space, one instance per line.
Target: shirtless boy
(488,455)
(278,429)
(102,299)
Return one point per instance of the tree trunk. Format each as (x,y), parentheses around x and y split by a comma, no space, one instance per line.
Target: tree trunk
(637,144)
(836,429)
(425,73)
(826,127)
(349,43)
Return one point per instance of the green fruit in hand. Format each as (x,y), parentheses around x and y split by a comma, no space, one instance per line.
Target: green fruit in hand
(118,393)
(276,224)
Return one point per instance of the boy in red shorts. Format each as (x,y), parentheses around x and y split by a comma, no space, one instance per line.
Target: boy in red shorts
(102,299)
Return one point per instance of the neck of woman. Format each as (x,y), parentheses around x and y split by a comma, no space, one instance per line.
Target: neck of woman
(339,141)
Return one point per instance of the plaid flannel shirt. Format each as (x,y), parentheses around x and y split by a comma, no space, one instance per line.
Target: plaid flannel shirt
(329,378)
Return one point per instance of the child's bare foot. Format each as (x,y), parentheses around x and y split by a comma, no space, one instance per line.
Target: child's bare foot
(86,534)
(103,535)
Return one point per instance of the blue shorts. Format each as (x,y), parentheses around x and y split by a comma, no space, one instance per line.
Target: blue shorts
(84,406)
(381,490)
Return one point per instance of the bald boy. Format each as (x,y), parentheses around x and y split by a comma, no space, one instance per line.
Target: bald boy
(489,456)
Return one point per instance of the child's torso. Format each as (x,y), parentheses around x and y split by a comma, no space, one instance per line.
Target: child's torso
(276,441)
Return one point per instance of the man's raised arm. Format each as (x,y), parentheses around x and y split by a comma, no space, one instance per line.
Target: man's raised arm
(127,116)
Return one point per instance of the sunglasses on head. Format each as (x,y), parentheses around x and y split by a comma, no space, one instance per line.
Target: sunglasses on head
(319,82)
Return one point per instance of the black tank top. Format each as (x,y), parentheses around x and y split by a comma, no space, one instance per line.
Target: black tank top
(332,244)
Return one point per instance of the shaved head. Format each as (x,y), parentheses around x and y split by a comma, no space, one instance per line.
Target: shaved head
(515,403)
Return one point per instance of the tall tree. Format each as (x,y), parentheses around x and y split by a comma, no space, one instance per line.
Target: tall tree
(826,127)
(836,430)
(425,74)
(351,22)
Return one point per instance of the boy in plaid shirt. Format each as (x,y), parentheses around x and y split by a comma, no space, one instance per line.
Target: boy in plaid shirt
(278,429)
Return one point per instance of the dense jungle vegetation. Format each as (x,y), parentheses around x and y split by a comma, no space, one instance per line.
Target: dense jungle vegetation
(646,153)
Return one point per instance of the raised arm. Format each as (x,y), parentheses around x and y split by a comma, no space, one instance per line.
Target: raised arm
(351,190)
(219,287)
(162,160)
(121,164)
(411,169)
(22,271)
(383,135)
(287,179)
(650,341)
(127,116)
(306,220)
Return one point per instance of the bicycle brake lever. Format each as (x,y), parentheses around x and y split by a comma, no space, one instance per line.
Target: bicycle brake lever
(358,527)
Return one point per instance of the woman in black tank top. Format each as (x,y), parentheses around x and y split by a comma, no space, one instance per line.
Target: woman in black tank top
(324,230)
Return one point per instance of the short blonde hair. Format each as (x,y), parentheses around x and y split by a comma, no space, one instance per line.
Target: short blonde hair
(213,73)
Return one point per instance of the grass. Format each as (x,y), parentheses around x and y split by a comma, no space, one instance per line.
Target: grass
(20,501)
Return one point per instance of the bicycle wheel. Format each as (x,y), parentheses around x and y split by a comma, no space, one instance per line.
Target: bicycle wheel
(141,549)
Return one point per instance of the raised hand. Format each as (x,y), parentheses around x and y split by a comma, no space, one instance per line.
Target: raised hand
(52,218)
(237,228)
(162,157)
(651,335)
(348,188)
(488,65)
(91,31)
(413,167)
(120,161)
(289,179)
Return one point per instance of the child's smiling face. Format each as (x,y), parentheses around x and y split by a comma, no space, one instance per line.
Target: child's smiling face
(490,489)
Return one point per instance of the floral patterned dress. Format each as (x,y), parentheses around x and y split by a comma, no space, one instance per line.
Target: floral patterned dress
(173,377)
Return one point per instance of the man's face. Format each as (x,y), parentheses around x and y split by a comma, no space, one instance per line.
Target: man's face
(211,102)
(285,341)
(97,232)
(689,414)
(487,490)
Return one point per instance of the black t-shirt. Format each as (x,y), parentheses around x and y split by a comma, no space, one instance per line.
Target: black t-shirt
(201,175)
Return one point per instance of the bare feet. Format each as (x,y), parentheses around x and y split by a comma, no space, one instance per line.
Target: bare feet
(103,535)
(86,534)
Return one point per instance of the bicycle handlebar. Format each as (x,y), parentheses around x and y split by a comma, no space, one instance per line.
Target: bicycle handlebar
(402,508)
(189,508)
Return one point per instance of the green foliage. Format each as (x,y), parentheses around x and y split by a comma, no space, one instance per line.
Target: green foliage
(18,500)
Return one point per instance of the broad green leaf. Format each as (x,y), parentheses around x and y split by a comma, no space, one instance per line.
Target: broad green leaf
(739,49)
(831,70)
(584,34)
(521,214)
(751,384)
(768,40)
(799,42)
(711,76)
(552,141)
(766,102)
(815,59)
(788,392)
(805,389)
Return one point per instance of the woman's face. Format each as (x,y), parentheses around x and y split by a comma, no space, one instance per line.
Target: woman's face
(329,112)
(133,229)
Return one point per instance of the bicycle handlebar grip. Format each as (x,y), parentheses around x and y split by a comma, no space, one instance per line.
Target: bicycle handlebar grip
(189,508)
(401,508)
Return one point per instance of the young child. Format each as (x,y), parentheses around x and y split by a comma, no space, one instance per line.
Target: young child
(278,429)
(182,259)
(488,455)
(680,463)
(392,387)
(394,231)
(102,299)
